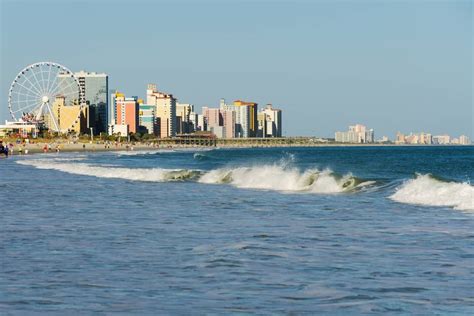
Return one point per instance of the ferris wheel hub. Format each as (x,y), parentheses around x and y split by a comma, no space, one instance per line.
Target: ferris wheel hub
(45,99)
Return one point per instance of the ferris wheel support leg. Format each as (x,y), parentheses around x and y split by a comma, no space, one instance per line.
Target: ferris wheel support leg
(53,118)
(40,110)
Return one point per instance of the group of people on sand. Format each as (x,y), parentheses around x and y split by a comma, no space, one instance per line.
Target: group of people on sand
(7,148)
(47,148)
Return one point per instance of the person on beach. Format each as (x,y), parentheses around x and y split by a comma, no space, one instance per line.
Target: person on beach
(4,149)
(45,148)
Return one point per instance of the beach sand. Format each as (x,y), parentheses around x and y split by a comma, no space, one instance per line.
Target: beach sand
(38,148)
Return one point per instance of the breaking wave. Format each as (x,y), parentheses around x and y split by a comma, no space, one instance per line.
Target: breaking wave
(201,156)
(134,174)
(265,177)
(427,190)
(275,177)
(142,152)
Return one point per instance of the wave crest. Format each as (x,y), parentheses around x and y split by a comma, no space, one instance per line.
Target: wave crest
(275,177)
(134,174)
(266,177)
(427,190)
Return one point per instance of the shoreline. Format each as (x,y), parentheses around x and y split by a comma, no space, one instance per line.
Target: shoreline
(38,148)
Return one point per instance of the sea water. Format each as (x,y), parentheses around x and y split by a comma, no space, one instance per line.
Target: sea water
(330,230)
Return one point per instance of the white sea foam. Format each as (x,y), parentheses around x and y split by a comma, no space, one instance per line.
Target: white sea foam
(142,152)
(426,190)
(134,174)
(266,177)
(279,178)
(75,158)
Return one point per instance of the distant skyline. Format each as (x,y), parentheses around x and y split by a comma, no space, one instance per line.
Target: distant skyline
(390,65)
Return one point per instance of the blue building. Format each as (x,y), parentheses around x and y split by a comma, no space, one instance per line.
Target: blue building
(94,93)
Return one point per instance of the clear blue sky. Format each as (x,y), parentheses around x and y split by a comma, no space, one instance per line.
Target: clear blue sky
(392,65)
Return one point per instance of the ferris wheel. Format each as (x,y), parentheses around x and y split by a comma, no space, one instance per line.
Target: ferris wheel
(48,94)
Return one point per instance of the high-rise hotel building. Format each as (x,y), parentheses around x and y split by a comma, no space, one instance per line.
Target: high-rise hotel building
(246,124)
(94,92)
(269,122)
(356,134)
(126,113)
(165,111)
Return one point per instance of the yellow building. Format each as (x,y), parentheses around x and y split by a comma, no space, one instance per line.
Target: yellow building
(70,118)
(165,111)
(252,123)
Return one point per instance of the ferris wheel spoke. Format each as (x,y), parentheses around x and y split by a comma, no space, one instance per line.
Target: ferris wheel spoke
(56,91)
(46,78)
(70,84)
(35,93)
(22,92)
(37,81)
(49,77)
(21,103)
(60,86)
(54,84)
(31,84)
(71,92)
(29,96)
(43,82)
(30,103)
(34,85)
(24,108)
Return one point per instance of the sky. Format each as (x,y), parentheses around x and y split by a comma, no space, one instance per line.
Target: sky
(391,65)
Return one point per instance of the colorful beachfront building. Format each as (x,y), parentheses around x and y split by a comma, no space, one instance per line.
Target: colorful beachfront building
(165,111)
(184,123)
(246,114)
(221,122)
(94,93)
(246,124)
(356,134)
(146,118)
(71,118)
(269,122)
(125,112)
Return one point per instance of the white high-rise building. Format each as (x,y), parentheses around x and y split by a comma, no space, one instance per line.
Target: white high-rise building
(441,139)
(464,140)
(356,134)
(243,116)
(201,123)
(272,127)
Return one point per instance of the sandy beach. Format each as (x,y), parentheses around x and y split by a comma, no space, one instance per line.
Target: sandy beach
(55,147)
(61,146)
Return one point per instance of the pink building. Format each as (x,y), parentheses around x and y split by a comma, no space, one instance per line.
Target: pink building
(222,122)
(126,111)
(228,118)
(213,116)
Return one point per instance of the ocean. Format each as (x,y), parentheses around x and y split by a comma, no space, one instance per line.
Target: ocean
(324,230)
